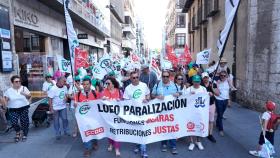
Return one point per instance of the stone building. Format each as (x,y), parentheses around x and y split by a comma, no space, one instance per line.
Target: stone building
(207,19)
(252,49)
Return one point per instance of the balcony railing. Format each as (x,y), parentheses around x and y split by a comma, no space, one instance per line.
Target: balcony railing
(213,7)
(128,28)
(79,8)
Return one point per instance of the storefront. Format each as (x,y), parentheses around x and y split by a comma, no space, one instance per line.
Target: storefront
(40,35)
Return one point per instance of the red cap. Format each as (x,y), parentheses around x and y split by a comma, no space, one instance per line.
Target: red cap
(270,105)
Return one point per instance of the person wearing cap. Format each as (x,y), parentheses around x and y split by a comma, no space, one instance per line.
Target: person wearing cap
(212,107)
(48,84)
(148,77)
(268,128)
(77,87)
(196,88)
(221,91)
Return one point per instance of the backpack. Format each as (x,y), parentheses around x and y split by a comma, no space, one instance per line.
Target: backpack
(273,121)
(92,91)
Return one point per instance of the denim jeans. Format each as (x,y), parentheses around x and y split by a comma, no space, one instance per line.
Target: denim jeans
(221,106)
(172,143)
(63,115)
(88,145)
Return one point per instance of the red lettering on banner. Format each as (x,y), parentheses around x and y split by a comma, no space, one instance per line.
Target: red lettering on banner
(166,129)
(94,131)
(161,118)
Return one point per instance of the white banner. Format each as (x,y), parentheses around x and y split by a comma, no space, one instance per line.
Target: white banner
(157,120)
(71,34)
(63,64)
(203,57)
(231,7)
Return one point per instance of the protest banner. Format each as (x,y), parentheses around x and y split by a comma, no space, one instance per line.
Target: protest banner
(63,64)
(144,123)
(203,57)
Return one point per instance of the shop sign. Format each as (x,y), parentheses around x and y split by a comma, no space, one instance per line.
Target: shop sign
(4,33)
(82,36)
(26,17)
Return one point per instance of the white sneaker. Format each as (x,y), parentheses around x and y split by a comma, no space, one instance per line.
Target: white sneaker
(199,145)
(254,153)
(191,147)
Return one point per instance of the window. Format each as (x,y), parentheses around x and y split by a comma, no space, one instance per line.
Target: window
(179,4)
(35,44)
(205,37)
(181,21)
(180,40)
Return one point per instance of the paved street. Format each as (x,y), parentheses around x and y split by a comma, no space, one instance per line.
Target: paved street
(241,132)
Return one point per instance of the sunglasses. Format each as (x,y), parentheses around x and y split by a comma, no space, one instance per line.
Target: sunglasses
(223,75)
(179,78)
(107,83)
(17,81)
(136,77)
(165,76)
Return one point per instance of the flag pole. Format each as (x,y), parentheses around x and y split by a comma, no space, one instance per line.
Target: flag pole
(224,46)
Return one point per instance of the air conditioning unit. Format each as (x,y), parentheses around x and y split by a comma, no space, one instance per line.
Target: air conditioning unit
(213,7)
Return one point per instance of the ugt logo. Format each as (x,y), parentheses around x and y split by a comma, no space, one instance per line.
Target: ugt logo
(199,102)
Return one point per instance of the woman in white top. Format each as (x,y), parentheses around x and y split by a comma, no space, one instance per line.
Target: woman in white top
(17,100)
(221,90)
(179,81)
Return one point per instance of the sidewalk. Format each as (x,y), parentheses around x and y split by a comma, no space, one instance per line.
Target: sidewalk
(241,135)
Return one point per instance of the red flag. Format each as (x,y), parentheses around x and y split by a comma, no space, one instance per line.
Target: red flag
(171,55)
(134,58)
(186,57)
(81,59)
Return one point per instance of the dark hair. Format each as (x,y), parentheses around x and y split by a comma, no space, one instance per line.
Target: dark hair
(87,79)
(14,77)
(133,72)
(175,79)
(223,72)
(114,82)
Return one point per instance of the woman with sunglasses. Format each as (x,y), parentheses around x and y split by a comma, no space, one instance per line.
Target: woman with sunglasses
(179,81)
(112,92)
(71,93)
(17,100)
(221,91)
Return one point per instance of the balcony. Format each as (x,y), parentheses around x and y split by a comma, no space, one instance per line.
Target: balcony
(127,28)
(213,7)
(79,12)
(126,43)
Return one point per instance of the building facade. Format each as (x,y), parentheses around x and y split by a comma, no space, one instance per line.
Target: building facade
(129,28)
(252,48)
(38,34)
(176,26)
(207,19)
(117,20)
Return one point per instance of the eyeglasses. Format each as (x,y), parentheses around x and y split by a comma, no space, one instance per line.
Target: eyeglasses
(165,76)
(179,78)
(17,81)
(136,77)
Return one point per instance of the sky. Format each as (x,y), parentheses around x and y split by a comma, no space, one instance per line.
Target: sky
(152,13)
